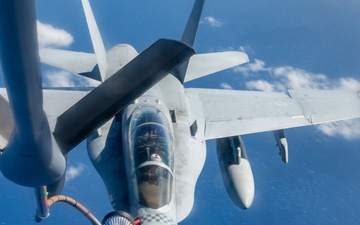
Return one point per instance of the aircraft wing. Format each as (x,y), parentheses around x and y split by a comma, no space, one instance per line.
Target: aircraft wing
(230,112)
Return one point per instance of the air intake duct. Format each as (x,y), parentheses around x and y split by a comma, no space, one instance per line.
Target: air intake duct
(118,218)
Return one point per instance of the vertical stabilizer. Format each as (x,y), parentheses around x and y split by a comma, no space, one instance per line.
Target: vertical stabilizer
(96,40)
(192,25)
(189,35)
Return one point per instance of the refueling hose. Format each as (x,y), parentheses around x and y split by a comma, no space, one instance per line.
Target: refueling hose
(76,205)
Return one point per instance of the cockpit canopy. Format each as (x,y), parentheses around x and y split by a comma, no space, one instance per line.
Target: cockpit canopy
(153,185)
(151,142)
(151,149)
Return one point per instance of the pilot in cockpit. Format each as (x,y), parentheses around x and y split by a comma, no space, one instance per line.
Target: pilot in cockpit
(155,157)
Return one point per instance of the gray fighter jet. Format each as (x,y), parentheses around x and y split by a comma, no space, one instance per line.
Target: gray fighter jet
(145,131)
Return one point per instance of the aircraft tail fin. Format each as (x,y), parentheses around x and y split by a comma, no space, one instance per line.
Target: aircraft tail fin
(189,34)
(201,65)
(96,40)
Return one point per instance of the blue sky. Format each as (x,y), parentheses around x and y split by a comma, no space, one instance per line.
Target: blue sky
(291,44)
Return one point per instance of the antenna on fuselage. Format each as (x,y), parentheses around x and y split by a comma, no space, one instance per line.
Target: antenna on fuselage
(189,35)
(96,40)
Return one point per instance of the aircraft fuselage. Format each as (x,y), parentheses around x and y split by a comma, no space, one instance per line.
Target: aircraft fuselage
(160,131)
(157,150)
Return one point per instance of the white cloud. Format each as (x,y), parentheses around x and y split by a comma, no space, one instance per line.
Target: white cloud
(74,171)
(255,67)
(245,49)
(287,77)
(261,85)
(349,84)
(224,85)
(294,78)
(67,79)
(348,129)
(50,36)
(213,22)
(242,48)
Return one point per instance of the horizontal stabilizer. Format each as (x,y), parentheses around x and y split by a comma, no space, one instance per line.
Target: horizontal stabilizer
(6,122)
(56,102)
(201,65)
(115,93)
(75,62)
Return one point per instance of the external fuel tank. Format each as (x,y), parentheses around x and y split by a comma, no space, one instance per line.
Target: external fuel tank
(236,171)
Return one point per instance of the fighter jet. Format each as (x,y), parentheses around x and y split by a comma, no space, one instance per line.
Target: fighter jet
(146,133)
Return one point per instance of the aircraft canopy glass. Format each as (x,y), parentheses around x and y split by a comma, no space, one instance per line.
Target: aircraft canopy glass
(153,183)
(151,146)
